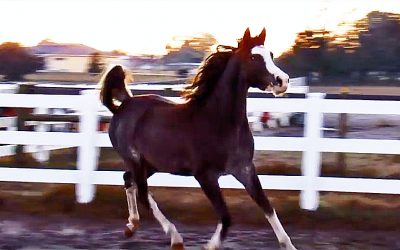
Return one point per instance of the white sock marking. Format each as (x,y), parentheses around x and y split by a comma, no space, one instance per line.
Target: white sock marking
(167,226)
(279,231)
(132,204)
(215,242)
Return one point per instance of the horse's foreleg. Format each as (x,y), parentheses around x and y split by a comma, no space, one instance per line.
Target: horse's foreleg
(131,193)
(248,177)
(168,227)
(211,188)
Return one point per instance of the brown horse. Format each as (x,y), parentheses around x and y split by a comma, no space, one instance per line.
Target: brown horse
(206,137)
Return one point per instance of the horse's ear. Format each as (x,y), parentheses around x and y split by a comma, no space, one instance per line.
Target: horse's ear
(245,41)
(261,37)
(246,36)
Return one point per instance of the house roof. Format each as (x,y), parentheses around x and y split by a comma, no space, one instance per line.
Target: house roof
(49,47)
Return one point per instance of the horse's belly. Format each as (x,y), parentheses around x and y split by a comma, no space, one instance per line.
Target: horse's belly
(179,165)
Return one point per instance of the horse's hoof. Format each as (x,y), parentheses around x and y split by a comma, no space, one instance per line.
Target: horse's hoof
(178,246)
(209,247)
(131,228)
(128,233)
(285,246)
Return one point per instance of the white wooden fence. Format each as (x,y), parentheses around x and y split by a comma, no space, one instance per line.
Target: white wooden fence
(312,144)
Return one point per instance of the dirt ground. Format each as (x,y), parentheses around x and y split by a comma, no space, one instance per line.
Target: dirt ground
(27,232)
(53,220)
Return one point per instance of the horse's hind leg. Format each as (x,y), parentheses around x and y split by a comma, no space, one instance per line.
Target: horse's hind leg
(131,193)
(168,227)
(248,177)
(135,179)
(211,188)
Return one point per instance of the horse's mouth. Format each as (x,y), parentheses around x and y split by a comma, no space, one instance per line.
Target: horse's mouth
(277,90)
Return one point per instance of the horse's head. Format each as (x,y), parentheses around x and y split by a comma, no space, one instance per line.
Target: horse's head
(260,69)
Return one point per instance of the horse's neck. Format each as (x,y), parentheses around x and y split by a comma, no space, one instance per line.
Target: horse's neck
(228,100)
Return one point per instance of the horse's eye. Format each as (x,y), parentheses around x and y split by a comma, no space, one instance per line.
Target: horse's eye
(272,55)
(252,58)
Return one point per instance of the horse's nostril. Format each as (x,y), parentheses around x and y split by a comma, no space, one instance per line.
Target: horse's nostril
(279,80)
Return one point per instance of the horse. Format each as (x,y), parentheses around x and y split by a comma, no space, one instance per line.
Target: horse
(206,136)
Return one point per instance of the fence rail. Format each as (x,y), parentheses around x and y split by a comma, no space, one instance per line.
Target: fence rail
(312,144)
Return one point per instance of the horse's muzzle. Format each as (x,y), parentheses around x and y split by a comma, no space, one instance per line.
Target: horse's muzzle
(279,81)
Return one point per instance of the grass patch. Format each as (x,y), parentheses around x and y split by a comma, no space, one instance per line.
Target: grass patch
(362,165)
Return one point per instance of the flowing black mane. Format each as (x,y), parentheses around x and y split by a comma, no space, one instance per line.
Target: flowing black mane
(204,82)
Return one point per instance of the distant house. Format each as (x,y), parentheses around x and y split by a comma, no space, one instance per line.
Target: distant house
(61,57)
(71,63)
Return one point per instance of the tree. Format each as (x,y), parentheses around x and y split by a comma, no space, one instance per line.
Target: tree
(190,49)
(95,64)
(311,52)
(370,44)
(200,42)
(16,61)
(117,52)
(379,44)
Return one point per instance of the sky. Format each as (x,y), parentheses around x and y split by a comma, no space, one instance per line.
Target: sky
(146,26)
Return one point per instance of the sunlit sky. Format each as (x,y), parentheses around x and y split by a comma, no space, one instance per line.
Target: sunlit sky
(146,26)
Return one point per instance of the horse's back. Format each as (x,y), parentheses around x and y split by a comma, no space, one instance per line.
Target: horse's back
(124,122)
(145,101)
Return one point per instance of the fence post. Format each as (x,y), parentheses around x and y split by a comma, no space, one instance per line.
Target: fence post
(311,160)
(87,152)
(23,88)
(43,154)
(341,157)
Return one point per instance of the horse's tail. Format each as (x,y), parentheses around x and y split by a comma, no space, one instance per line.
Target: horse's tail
(113,86)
